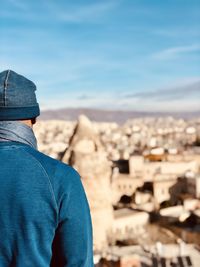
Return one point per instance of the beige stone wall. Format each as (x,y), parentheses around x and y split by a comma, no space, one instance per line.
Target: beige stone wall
(124,184)
(161,188)
(128,223)
(193,185)
(148,169)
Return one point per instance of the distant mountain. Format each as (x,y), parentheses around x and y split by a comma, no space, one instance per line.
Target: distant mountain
(108,115)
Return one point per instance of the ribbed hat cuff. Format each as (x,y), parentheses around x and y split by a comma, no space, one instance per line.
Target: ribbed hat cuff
(19,113)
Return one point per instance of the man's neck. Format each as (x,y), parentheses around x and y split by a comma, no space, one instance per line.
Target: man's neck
(27,122)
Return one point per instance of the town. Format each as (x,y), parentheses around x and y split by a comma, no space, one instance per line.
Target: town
(142,180)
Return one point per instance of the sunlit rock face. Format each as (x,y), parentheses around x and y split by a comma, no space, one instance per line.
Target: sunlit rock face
(87,155)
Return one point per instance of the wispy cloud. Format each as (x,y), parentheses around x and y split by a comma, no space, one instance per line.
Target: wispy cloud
(174,52)
(103,100)
(72,13)
(108,101)
(85,97)
(157,106)
(176,32)
(19,4)
(82,13)
(174,93)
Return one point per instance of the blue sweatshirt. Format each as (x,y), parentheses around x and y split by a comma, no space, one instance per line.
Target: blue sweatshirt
(44,213)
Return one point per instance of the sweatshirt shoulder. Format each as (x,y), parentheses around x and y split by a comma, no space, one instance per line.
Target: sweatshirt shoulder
(61,175)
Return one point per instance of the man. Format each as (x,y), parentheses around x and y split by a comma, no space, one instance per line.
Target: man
(44,213)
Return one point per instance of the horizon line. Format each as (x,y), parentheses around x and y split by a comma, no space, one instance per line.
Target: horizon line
(119,110)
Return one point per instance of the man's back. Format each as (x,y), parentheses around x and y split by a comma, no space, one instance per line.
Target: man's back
(44,214)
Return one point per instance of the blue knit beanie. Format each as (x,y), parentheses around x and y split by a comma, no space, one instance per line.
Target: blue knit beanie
(17,97)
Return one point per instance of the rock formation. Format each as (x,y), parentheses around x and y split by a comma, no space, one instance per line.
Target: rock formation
(86,154)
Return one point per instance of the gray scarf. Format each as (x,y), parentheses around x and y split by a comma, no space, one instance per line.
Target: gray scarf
(17,131)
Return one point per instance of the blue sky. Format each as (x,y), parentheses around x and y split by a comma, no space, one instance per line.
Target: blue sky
(109,54)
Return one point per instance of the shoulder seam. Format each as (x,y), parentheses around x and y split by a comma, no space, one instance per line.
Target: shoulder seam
(46,174)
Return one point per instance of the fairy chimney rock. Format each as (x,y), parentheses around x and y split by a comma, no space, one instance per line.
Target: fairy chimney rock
(87,155)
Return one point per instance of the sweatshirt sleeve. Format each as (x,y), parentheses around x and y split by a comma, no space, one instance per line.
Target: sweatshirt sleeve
(73,242)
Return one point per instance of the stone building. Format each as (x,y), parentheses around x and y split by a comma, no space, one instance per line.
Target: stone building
(148,169)
(193,184)
(124,184)
(128,224)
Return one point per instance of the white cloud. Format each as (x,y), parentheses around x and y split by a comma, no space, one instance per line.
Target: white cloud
(174,52)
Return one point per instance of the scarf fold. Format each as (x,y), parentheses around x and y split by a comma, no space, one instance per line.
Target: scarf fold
(17,131)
